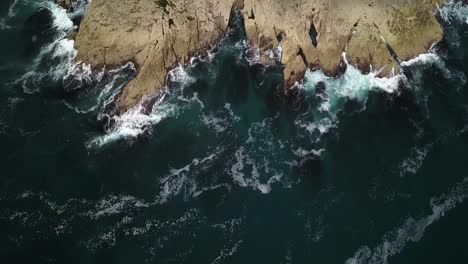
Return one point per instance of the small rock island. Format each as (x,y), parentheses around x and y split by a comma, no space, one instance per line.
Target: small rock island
(158,34)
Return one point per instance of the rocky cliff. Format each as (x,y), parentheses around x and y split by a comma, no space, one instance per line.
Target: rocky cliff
(157,34)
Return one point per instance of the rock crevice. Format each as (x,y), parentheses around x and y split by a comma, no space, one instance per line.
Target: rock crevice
(312,34)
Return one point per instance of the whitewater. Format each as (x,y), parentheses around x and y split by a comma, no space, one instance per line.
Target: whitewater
(225,166)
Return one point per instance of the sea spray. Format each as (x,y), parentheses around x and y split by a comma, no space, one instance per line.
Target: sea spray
(133,123)
(106,85)
(331,93)
(54,59)
(139,120)
(454,12)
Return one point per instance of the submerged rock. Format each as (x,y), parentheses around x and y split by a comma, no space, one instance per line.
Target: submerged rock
(64,3)
(157,35)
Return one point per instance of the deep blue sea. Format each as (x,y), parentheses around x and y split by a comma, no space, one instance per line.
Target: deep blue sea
(227,167)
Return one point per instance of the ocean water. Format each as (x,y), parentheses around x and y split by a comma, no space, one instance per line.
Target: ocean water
(227,167)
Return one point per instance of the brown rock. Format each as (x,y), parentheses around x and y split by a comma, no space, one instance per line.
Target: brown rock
(156,35)
(64,3)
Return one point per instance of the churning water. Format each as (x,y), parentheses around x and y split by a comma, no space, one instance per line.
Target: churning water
(226,167)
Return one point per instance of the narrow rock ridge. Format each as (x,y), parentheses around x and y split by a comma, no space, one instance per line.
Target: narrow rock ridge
(158,34)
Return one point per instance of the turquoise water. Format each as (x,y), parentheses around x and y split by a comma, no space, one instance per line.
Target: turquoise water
(227,168)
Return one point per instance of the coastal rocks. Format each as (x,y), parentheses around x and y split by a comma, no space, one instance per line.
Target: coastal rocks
(316,33)
(64,3)
(157,35)
(75,8)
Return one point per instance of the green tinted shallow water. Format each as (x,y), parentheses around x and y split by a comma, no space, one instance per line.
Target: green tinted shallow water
(226,169)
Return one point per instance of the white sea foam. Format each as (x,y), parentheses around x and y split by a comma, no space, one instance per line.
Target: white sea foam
(277,53)
(431,60)
(133,123)
(137,121)
(220,120)
(321,125)
(74,209)
(61,20)
(414,162)
(235,118)
(184,180)
(352,84)
(218,124)
(181,77)
(13,102)
(423,60)
(426,61)
(236,169)
(3,24)
(113,205)
(82,72)
(252,166)
(300,152)
(118,212)
(107,94)
(251,178)
(12,11)
(65,52)
(454,12)
(227,252)
(12,8)
(60,50)
(412,230)
(252,54)
(79,8)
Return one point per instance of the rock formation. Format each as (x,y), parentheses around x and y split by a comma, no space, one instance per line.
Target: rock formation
(157,34)
(64,3)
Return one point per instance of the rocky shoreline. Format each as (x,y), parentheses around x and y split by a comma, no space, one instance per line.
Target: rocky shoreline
(157,35)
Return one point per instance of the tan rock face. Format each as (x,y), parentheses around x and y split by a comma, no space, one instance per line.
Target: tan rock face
(153,34)
(64,3)
(318,31)
(157,34)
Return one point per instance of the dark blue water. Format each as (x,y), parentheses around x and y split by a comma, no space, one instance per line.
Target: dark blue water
(227,167)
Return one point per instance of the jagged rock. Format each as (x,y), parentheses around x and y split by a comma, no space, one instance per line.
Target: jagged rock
(318,32)
(156,35)
(72,35)
(66,4)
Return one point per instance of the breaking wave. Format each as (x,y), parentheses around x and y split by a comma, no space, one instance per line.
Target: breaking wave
(54,60)
(331,93)
(249,166)
(107,85)
(133,123)
(138,120)
(454,12)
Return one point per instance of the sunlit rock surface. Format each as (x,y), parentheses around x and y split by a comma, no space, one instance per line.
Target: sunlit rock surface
(157,35)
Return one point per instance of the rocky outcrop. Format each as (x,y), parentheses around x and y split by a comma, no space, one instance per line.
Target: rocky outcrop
(157,34)
(64,3)
(316,32)
(154,34)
